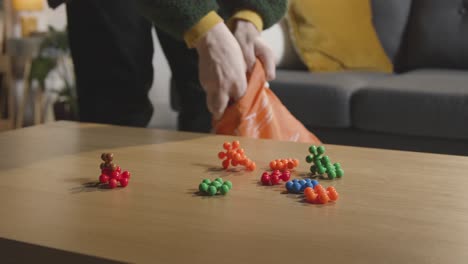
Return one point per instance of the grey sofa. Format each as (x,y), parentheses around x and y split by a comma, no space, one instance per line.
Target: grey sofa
(422,107)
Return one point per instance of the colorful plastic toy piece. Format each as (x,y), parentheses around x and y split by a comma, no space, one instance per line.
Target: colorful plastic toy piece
(299,185)
(111,174)
(274,177)
(284,164)
(235,156)
(212,188)
(332,193)
(322,164)
(318,195)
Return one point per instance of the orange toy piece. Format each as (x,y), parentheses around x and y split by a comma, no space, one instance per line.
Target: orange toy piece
(235,156)
(318,195)
(310,195)
(319,189)
(332,193)
(284,164)
(323,198)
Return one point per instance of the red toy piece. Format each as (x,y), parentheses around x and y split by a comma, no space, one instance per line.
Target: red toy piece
(106,171)
(235,156)
(111,174)
(284,164)
(115,175)
(265,179)
(103,178)
(123,182)
(125,174)
(275,180)
(275,177)
(285,176)
(112,183)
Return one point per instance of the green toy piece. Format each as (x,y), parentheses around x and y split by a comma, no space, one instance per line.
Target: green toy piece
(313,150)
(321,169)
(224,189)
(216,184)
(229,184)
(321,150)
(220,180)
(313,169)
(212,188)
(322,164)
(203,187)
(207,181)
(339,173)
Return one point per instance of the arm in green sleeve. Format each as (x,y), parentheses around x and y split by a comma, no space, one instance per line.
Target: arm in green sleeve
(271,11)
(176,16)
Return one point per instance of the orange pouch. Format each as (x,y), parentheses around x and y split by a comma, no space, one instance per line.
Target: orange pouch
(260,114)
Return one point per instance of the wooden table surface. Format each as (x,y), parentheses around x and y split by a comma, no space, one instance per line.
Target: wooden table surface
(395,207)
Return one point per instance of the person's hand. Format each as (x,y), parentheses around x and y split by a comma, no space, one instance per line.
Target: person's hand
(254,46)
(221,68)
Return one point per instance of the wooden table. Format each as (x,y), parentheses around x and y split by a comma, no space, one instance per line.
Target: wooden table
(395,207)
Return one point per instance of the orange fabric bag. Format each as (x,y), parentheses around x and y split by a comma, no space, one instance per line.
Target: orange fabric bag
(260,114)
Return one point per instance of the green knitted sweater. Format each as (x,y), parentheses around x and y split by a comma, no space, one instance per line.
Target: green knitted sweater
(177,16)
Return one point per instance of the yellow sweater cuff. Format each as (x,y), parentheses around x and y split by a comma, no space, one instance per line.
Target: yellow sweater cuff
(198,30)
(247,15)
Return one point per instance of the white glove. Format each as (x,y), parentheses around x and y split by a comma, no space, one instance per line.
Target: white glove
(221,68)
(253,46)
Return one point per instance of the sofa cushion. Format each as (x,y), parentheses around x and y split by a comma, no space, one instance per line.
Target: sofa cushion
(336,36)
(423,103)
(390,18)
(436,35)
(320,99)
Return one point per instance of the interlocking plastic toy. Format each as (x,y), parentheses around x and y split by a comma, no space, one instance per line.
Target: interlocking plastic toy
(284,164)
(322,164)
(235,156)
(111,174)
(299,185)
(275,177)
(318,195)
(211,188)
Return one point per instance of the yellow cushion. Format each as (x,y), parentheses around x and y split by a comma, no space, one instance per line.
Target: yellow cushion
(336,35)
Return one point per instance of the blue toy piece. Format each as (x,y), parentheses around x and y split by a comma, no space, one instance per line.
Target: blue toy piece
(296,188)
(298,185)
(308,184)
(314,182)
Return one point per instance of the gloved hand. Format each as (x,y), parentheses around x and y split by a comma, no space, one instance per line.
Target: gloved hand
(254,46)
(221,68)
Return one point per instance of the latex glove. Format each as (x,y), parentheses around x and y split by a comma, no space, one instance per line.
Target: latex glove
(221,68)
(253,46)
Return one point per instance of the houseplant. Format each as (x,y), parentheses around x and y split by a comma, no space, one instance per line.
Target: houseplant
(54,57)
